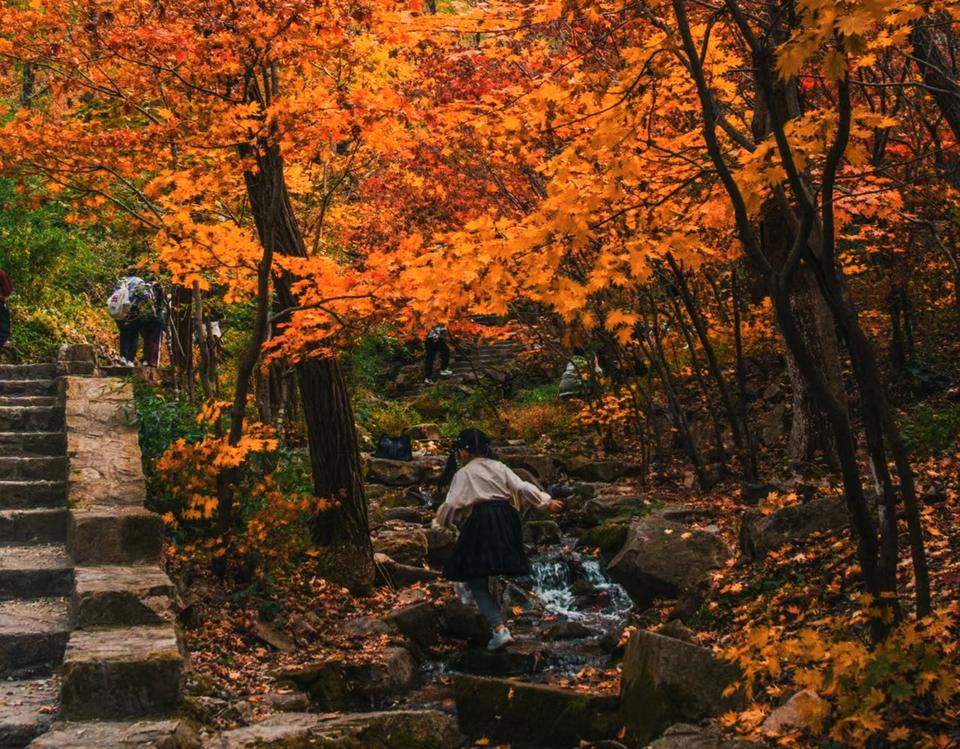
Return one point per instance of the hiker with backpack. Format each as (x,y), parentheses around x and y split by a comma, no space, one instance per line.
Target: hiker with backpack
(150,309)
(491,541)
(6,289)
(436,343)
(121,309)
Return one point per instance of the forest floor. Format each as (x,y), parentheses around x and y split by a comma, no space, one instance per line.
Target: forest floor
(292,641)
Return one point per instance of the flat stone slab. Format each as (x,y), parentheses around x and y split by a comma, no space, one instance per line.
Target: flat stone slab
(33,494)
(124,672)
(398,729)
(28,571)
(144,734)
(33,635)
(27,708)
(114,535)
(33,443)
(120,596)
(32,467)
(33,526)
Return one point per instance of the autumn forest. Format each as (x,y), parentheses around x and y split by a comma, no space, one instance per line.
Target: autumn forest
(673,285)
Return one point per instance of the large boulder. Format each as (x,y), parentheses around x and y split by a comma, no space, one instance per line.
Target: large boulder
(418,621)
(537,714)
(400,729)
(463,622)
(543,467)
(336,683)
(666,681)
(585,468)
(805,709)
(686,736)
(403,472)
(663,558)
(760,533)
(403,543)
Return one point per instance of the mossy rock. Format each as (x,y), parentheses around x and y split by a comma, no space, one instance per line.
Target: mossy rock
(609,536)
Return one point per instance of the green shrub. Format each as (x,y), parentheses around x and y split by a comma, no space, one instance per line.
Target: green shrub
(163,420)
(932,428)
(392,417)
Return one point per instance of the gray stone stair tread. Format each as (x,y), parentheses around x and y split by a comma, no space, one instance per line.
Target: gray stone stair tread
(31,557)
(143,734)
(33,494)
(154,644)
(31,526)
(121,577)
(46,401)
(27,709)
(40,615)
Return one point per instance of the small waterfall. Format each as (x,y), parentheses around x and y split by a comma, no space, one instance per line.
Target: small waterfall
(601,603)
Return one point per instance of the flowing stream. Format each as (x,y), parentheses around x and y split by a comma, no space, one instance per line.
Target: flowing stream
(576,587)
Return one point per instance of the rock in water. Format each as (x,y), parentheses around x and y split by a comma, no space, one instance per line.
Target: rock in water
(662,558)
(538,714)
(666,681)
(760,534)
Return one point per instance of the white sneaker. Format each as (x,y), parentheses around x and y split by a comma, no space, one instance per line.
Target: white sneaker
(501,638)
(446,372)
(427,381)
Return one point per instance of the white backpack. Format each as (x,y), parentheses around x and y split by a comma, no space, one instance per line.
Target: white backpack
(120,303)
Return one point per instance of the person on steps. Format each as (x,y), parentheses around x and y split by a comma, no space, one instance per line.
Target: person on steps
(6,289)
(491,542)
(150,311)
(122,309)
(436,343)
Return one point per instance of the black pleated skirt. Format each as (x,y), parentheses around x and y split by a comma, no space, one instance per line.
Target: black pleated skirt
(490,544)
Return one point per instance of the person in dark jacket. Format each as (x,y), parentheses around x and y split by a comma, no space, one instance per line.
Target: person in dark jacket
(150,313)
(436,343)
(6,288)
(491,542)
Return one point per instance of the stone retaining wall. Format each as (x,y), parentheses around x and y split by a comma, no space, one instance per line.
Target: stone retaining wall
(101,426)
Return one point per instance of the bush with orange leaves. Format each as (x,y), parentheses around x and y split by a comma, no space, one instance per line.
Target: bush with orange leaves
(903,692)
(611,415)
(274,506)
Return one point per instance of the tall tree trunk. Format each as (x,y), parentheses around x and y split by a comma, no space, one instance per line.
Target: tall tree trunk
(342,526)
(181,336)
(809,430)
(935,67)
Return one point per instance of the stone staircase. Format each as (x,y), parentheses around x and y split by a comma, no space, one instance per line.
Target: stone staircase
(88,643)
(469,364)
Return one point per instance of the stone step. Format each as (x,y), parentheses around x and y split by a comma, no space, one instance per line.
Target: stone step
(48,468)
(141,734)
(28,371)
(29,400)
(45,526)
(122,596)
(129,672)
(33,494)
(25,444)
(27,710)
(35,572)
(31,418)
(114,535)
(28,387)
(33,636)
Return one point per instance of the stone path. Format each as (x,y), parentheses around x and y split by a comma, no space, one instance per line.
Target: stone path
(36,573)
(469,364)
(88,645)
